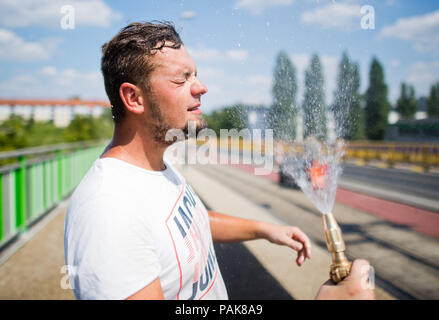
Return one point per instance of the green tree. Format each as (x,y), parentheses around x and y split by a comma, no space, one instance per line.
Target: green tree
(314,106)
(346,108)
(407,104)
(231,117)
(377,106)
(83,128)
(433,101)
(13,133)
(17,132)
(43,133)
(283,112)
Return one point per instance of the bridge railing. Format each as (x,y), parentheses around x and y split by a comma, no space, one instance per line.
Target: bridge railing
(35,180)
(424,155)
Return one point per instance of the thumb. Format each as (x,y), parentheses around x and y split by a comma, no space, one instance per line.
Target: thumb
(360,269)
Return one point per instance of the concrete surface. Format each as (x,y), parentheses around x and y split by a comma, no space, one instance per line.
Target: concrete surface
(34,262)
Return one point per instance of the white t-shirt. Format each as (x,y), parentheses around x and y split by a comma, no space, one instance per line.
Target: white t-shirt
(126,226)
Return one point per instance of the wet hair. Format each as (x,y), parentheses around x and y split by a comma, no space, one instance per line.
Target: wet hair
(127,58)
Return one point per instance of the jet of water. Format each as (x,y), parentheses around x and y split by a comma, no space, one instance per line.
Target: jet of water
(315,166)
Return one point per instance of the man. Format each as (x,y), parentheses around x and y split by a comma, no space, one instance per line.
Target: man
(135,229)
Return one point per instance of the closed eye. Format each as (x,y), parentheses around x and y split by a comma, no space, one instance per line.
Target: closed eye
(186,76)
(179,81)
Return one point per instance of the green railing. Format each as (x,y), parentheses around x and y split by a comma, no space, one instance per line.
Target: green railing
(36,179)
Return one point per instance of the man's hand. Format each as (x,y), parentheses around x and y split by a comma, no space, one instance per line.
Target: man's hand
(354,287)
(292,237)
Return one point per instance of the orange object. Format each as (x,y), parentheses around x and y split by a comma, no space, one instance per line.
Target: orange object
(317,174)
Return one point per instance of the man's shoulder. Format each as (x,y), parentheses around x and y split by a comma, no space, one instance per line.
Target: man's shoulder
(98,188)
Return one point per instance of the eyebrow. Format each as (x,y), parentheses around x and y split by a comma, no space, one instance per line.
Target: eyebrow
(188,73)
(185,73)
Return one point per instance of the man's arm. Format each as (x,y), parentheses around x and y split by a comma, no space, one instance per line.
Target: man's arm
(226,228)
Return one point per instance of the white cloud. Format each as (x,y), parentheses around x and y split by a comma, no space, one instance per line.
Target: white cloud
(395,63)
(202,54)
(48,13)
(391,2)
(188,15)
(257,7)
(260,80)
(421,31)
(49,82)
(237,55)
(15,49)
(48,71)
(230,88)
(334,15)
(252,89)
(422,75)
(209,73)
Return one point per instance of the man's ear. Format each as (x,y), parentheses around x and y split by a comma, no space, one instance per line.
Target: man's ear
(131,96)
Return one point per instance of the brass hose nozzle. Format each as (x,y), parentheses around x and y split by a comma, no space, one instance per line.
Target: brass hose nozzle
(340,266)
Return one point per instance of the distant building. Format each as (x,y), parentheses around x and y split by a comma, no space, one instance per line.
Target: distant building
(421,112)
(421,128)
(414,130)
(61,112)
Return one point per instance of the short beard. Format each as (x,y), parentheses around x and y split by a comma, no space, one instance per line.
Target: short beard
(160,129)
(200,126)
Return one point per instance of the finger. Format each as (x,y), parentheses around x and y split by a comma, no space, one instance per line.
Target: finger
(300,257)
(360,267)
(302,237)
(294,244)
(308,250)
(359,272)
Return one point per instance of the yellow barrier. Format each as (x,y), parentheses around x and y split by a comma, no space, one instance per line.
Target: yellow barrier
(425,155)
(422,156)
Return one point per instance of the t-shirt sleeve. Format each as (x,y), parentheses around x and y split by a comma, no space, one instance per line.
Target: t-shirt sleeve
(112,251)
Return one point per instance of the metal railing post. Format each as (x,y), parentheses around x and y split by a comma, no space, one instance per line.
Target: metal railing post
(20,200)
(425,158)
(45,185)
(59,174)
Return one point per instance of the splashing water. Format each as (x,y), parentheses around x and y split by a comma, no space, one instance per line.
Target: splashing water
(315,166)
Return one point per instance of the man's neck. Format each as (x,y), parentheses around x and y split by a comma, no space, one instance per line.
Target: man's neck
(136,148)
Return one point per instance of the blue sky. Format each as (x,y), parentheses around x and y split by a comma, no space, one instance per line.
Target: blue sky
(234,43)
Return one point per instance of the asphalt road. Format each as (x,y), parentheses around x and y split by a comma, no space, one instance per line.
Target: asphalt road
(425,185)
(238,267)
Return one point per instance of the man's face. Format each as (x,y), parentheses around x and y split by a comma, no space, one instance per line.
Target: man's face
(175,93)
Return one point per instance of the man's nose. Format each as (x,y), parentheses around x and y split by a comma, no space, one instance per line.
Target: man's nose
(198,88)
